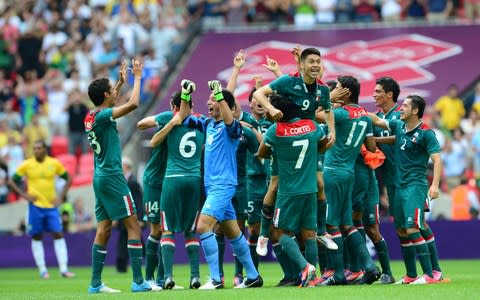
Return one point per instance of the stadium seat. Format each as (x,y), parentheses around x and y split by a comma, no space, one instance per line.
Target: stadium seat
(85,164)
(82,179)
(59,145)
(69,161)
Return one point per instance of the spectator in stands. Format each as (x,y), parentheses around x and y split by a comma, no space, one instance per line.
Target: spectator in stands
(473,101)
(3,182)
(6,132)
(450,107)
(236,12)
(472,9)
(82,220)
(13,118)
(344,11)
(12,154)
(365,10)
(57,102)
(439,10)
(304,13)
(6,89)
(30,94)
(391,10)
(76,110)
(415,9)
(214,13)
(454,157)
(33,132)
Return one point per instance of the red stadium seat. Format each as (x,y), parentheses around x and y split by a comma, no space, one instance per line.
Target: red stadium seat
(82,179)
(59,145)
(69,161)
(85,164)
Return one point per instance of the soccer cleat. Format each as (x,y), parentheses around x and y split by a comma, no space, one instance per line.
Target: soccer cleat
(386,278)
(406,280)
(370,276)
(308,274)
(237,280)
(326,240)
(287,282)
(178,287)
(153,284)
(45,275)
(68,274)
(102,289)
(331,281)
(142,287)
(425,279)
(251,283)
(211,285)
(354,277)
(195,283)
(169,284)
(262,246)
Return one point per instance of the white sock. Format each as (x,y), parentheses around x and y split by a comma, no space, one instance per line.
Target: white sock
(61,253)
(39,255)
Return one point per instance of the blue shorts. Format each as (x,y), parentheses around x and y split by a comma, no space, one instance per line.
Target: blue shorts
(219,202)
(43,220)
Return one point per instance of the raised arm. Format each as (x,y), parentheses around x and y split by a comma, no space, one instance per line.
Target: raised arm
(188,87)
(227,114)
(378,122)
(160,136)
(272,66)
(238,63)
(134,100)
(261,96)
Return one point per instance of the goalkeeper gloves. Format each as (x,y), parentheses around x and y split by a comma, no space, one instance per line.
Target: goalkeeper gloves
(188,87)
(216,87)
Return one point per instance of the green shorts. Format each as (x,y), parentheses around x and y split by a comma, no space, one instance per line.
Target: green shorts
(365,195)
(180,203)
(151,203)
(412,206)
(240,200)
(338,190)
(295,212)
(394,204)
(256,190)
(113,200)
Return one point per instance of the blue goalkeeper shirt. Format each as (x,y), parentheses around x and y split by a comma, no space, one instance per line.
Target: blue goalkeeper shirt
(221,143)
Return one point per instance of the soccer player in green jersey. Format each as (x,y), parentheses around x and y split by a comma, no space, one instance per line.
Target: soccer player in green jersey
(113,198)
(353,128)
(385,95)
(181,192)
(415,144)
(295,144)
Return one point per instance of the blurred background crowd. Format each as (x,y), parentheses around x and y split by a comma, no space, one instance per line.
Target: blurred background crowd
(51,49)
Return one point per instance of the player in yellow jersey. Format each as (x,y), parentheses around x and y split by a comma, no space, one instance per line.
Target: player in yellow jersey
(40,173)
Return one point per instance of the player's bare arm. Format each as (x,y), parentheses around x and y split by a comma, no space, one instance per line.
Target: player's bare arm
(258,135)
(121,78)
(64,191)
(238,62)
(385,139)
(261,96)
(272,66)
(188,87)
(330,120)
(433,191)
(147,122)
(370,143)
(263,151)
(133,102)
(378,122)
(160,136)
(322,145)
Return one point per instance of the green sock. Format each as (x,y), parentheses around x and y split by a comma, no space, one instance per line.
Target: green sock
(252,244)
(421,249)
(408,253)
(192,245)
(382,253)
(283,260)
(321,216)
(221,251)
(360,228)
(336,256)
(135,250)
(290,247)
(168,251)
(346,256)
(432,248)
(266,220)
(98,259)
(358,248)
(311,251)
(160,271)
(322,258)
(151,257)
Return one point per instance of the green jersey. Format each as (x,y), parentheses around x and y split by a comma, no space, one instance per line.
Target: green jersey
(389,167)
(254,165)
(248,142)
(184,150)
(307,97)
(296,146)
(156,165)
(102,134)
(352,125)
(413,150)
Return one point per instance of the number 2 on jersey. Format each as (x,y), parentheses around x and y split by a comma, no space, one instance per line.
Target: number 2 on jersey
(301,156)
(363,126)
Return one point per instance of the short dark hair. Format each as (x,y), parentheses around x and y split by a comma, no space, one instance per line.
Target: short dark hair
(417,102)
(229,98)
(250,96)
(41,142)
(176,100)
(306,52)
(288,108)
(332,84)
(352,84)
(389,85)
(97,89)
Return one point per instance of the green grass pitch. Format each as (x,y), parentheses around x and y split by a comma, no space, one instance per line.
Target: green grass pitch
(26,284)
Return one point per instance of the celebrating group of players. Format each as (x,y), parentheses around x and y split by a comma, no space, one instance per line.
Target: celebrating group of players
(299,169)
